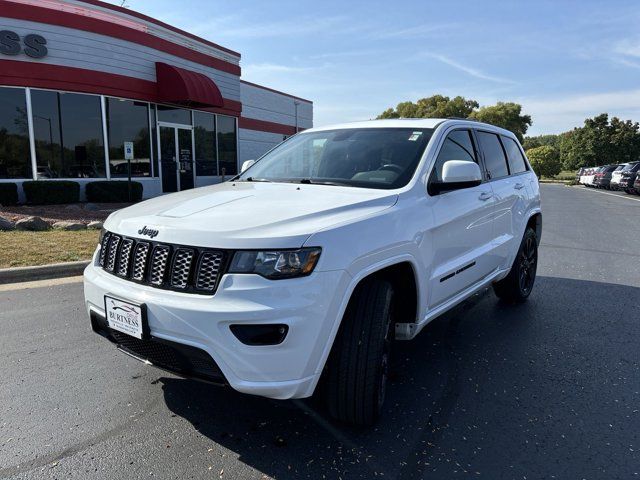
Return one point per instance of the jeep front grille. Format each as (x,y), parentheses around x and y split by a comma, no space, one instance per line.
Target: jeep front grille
(208,271)
(174,267)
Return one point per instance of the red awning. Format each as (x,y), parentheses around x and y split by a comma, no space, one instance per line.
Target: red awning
(184,87)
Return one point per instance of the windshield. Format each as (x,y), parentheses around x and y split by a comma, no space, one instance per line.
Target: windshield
(383,158)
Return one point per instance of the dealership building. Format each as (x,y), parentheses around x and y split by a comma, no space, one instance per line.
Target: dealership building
(81,81)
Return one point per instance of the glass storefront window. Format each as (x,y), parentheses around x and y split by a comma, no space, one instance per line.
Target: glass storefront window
(154,140)
(68,135)
(227,145)
(205,135)
(128,121)
(15,156)
(174,115)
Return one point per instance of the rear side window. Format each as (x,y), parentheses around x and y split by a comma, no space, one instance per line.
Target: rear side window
(514,155)
(494,158)
(457,146)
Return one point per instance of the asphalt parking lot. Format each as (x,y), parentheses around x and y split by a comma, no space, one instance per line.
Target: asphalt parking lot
(548,389)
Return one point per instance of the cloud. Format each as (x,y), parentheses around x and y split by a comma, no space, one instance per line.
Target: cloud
(630,48)
(559,114)
(627,63)
(352,53)
(273,68)
(417,31)
(474,72)
(239,27)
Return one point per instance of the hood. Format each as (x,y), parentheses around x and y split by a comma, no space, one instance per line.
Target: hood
(237,215)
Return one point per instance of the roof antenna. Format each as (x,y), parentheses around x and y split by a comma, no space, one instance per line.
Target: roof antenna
(123,4)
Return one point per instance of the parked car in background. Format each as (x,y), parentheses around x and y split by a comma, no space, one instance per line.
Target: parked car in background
(602,178)
(580,173)
(636,185)
(589,176)
(616,176)
(628,176)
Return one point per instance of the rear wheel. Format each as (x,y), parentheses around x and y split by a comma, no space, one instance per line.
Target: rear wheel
(359,362)
(517,286)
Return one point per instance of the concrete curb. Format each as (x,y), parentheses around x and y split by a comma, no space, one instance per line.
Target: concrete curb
(43,272)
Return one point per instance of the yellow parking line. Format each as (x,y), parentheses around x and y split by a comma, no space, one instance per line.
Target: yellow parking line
(8,287)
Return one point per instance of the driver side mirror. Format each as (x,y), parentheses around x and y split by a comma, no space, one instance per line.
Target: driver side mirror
(457,174)
(246,164)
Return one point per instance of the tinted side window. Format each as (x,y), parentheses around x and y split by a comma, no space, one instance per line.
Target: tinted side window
(493,154)
(457,146)
(514,155)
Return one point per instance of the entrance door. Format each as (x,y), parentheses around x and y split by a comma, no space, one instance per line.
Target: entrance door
(185,158)
(168,159)
(176,156)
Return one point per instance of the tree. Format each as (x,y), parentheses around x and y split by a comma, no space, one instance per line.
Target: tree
(436,106)
(625,140)
(540,140)
(574,150)
(600,142)
(506,115)
(545,160)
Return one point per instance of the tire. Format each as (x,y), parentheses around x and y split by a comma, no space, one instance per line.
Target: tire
(516,287)
(358,365)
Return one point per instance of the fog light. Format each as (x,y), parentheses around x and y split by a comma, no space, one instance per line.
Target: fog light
(254,335)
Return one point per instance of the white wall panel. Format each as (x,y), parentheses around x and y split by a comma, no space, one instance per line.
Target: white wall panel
(254,144)
(262,104)
(77,48)
(162,32)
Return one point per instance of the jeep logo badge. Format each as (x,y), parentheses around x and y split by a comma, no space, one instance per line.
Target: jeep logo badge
(148,232)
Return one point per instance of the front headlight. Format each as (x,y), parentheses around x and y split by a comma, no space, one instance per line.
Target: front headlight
(276,264)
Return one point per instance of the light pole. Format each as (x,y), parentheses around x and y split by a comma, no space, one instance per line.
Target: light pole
(47,119)
(296,103)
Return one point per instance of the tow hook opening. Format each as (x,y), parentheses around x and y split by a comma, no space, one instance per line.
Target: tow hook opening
(260,335)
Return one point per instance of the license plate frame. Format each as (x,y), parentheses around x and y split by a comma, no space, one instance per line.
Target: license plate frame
(126,317)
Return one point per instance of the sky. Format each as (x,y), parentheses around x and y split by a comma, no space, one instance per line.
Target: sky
(563,61)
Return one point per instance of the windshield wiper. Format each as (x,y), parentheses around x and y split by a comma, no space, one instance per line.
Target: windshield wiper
(253,179)
(310,181)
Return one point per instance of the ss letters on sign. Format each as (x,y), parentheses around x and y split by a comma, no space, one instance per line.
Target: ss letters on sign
(34,44)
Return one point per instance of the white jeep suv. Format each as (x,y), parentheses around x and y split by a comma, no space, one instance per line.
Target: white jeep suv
(305,267)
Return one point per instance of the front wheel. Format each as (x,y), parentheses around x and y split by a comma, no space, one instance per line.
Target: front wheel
(516,287)
(359,362)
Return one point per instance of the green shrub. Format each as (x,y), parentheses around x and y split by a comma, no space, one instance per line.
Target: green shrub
(566,175)
(51,192)
(8,193)
(113,191)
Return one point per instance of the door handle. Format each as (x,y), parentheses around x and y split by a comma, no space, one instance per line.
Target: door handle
(485,195)
(519,186)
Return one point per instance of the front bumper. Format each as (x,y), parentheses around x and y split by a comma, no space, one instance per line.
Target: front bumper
(309,306)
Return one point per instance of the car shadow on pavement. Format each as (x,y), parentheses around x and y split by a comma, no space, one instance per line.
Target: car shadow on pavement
(502,391)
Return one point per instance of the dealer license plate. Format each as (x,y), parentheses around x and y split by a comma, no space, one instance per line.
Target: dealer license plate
(125,317)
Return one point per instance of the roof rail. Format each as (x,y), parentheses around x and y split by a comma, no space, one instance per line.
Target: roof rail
(462,118)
